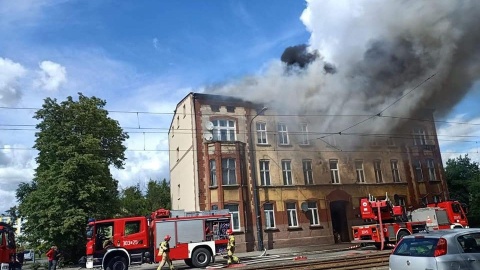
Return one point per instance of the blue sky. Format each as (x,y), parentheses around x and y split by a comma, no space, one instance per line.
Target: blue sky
(147,55)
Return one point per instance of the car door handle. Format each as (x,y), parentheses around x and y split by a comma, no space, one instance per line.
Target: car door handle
(471,260)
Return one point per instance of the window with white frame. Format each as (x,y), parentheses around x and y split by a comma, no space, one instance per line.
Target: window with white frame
(360,171)
(213,173)
(269,215)
(287,172)
(307,171)
(261,133)
(282,134)
(395,172)
(377,167)
(312,213)
(417,166)
(334,172)
(223,130)
(228,171)
(235,216)
(432,176)
(292,214)
(304,134)
(265,172)
(419,136)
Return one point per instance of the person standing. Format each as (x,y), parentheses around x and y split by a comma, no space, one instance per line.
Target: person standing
(164,251)
(231,248)
(52,255)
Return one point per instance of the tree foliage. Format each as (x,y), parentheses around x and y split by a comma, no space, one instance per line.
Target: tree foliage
(77,142)
(463,179)
(134,203)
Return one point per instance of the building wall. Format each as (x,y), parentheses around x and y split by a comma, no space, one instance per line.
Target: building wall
(337,203)
(183,161)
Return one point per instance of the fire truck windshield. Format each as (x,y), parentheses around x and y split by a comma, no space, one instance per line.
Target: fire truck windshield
(89,231)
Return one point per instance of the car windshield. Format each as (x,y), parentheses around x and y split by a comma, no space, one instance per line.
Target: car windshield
(416,247)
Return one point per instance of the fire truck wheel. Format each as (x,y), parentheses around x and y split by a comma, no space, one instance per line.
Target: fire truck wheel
(401,234)
(188,262)
(117,263)
(201,257)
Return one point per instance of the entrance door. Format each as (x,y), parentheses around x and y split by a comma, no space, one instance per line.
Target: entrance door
(338,211)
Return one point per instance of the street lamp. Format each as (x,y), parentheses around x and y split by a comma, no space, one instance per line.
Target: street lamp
(256,200)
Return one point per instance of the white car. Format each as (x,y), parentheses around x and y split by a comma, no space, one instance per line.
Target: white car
(28,255)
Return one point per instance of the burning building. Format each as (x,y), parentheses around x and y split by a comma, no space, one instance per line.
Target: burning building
(304,182)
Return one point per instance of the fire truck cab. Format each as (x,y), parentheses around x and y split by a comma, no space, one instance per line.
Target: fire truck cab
(196,237)
(8,259)
(442,215)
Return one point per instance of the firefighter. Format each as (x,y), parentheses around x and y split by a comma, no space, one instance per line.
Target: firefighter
(164,251)
(231,248)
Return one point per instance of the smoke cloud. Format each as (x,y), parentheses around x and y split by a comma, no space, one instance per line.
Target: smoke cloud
(391,58)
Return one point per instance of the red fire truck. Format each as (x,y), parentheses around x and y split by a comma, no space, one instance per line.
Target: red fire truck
(388,223)
(196,237)
(8,258)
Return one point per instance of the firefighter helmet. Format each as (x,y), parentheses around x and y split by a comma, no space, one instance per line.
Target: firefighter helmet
(167,237)
(229,231)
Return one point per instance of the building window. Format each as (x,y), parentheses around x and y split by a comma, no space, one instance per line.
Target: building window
(377,167)
(313,214)
(172,129)
(214,207)
(184,111)
(401,201)
(334,173)
(419,136)
(223,130)
(228,171)
(235,216)
(307,171)
(304,134)
(261,133)
(436,198)
(282,134)
(390,142)
(395,172)
(269,215)
(178,153)
(432,176)
(215,108)
(417,166)
(287,172)
(265,172)
(178,122)
(425,200)
(213,173)
(231,109)
(360,171)
(292,215)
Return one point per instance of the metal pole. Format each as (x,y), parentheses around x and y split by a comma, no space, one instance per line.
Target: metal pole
(256,200)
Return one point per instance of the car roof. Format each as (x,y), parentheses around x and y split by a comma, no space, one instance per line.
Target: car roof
(444,233)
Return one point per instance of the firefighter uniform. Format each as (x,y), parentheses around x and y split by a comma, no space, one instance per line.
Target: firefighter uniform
(231,248)
(164,251)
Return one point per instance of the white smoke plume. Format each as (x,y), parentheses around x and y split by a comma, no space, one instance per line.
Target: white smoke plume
(381,51)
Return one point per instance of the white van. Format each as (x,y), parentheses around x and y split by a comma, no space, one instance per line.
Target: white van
(28,255)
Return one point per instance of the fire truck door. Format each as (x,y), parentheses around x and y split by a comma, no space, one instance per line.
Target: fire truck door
(134,234)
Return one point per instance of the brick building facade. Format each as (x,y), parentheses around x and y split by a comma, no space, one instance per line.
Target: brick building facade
(308,182)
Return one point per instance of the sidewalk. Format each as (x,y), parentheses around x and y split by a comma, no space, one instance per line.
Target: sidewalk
(301,250)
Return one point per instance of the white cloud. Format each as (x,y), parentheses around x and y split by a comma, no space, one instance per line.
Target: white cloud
(10,75)
(51,76)
(460,136)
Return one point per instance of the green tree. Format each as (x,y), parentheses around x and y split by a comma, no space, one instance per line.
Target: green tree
(133,202)
(77,142)
(158,195)
(463,179)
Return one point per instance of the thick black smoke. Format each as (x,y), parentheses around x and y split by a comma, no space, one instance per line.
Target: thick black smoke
(300,56)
